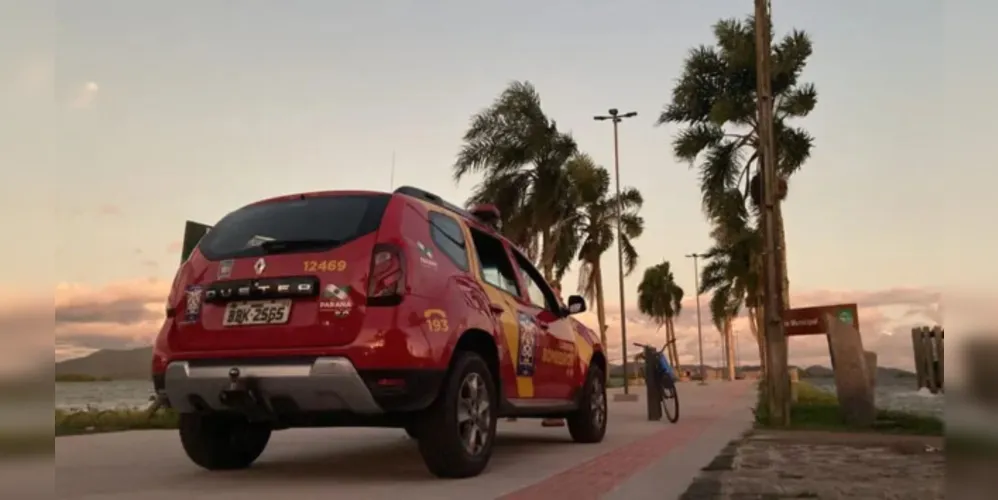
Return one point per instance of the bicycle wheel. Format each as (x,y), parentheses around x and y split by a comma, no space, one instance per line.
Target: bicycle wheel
(670,399)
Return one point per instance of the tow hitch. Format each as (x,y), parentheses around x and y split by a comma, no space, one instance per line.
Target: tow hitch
(243,396)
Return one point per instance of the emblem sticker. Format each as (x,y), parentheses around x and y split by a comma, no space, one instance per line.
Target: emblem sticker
(528,345)
(192,310)
(336,299)
(260,266)
(436,320)
(426,255)
(225,269)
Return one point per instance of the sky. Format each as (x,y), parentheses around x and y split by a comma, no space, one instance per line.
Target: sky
(122,119)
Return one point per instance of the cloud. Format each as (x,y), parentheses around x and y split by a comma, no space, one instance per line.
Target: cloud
(117,315)
(85,96)
(886,318)
(129,314)
(109,210)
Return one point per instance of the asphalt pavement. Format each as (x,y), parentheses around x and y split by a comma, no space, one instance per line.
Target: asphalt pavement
(638,459)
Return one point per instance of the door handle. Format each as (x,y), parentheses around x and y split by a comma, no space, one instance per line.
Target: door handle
(496,309)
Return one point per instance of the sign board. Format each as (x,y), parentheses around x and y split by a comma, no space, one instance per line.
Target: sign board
(811,320)
(193,232)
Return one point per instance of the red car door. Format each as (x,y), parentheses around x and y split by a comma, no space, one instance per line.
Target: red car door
(555,351)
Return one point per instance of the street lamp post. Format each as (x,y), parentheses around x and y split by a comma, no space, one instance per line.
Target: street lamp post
(616,117)
(696,284)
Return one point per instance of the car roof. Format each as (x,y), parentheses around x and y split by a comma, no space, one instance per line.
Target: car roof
(439,202)
(413,192)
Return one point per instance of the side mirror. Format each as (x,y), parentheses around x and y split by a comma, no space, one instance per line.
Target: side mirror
(576,304)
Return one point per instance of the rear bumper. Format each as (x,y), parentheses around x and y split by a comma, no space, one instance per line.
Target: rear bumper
(289,386)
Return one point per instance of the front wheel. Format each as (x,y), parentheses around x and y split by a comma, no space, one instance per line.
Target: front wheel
(588,423)
(221,442)
(670,399)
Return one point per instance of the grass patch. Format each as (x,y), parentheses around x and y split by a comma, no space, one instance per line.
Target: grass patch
(817,409)
(93,420)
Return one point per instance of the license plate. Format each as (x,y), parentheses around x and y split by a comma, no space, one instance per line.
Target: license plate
(257,312)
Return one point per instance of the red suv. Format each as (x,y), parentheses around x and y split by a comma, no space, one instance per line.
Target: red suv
(355,308)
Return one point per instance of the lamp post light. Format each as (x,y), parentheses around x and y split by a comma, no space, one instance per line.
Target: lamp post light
(616,117)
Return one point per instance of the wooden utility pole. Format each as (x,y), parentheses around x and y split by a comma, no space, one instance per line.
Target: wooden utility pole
(778,379)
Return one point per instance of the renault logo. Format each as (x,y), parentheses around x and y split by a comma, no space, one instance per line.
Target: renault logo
(260,266)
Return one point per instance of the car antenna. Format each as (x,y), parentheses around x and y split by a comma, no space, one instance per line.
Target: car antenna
(391,177)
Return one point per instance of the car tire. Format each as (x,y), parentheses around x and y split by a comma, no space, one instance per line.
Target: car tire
(588,423)
(218,442)
(459,415)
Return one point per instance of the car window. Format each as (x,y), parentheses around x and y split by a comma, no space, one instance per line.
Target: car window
(497,270)
(448,237)
(538,292)
(337,219)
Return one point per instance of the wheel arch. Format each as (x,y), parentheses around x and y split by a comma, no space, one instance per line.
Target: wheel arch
(599,360)
(484,344)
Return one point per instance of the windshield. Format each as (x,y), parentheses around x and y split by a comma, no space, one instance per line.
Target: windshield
(310,224)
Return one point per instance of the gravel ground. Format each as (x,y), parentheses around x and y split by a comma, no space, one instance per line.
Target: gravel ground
(796,464)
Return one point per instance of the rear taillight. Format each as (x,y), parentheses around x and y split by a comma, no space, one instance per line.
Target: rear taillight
(386,283)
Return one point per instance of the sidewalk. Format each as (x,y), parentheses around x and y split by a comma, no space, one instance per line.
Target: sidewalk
(660,464)
(638,459)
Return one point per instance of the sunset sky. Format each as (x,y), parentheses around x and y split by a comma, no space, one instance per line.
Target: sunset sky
(187,110)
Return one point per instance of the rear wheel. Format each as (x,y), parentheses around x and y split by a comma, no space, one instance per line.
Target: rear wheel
(670,399)
(456,433)
(588,423)
(222,442)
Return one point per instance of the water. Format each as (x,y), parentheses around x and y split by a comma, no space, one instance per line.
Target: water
(892,394)
(897,394)
(103,395)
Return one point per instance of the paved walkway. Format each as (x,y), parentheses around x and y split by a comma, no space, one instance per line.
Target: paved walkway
(826,465)
(637,460)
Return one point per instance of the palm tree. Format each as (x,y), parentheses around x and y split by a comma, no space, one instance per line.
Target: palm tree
(594,224)
(522,155)
(732,270)
(715,98)
(660,298)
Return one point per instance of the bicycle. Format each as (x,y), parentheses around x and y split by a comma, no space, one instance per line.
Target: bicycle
(667,381)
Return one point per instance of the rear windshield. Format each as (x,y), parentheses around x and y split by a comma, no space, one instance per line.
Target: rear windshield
(333,218)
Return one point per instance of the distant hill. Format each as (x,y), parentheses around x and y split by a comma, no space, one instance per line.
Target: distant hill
(816,371)
(132,364)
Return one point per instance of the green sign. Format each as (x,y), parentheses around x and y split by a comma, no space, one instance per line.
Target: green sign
(845,316)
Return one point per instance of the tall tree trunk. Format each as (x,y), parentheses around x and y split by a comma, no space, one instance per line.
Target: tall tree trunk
(757,322)
(729,348)
(781,254)
(600,305)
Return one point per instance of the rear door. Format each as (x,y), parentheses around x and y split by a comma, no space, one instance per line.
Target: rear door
(285,273)
(555,354)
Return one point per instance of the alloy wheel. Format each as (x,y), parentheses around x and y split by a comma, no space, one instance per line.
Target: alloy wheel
(474,414)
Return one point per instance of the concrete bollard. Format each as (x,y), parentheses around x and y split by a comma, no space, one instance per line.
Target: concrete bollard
(852,380)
